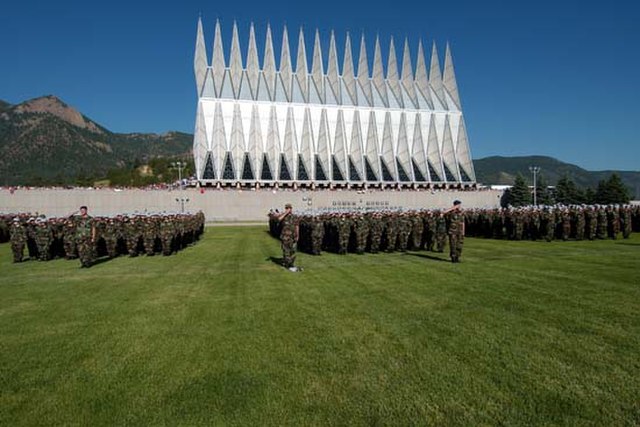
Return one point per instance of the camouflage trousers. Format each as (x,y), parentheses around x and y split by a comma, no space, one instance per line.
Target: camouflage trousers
(375,236)
(44,249)
(70,250)
(288,252)
(416,236)
(86,251)
(112,247)
(403,240)
(455,245)
(132,246)
(166,246)
(149,243)
(317,235)
(361,240)
(18,250)
(429,240)
(440,241)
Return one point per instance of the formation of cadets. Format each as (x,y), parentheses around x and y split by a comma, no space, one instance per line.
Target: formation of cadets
(86,238)
(578,222)
(428,229)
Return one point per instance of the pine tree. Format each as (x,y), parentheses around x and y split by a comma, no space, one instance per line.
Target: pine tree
(567,192)
(519,194)
(543,195)
(612,191)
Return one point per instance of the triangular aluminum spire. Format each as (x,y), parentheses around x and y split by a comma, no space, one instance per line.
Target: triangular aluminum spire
(302,72)
(332,72)
(373,153)
(253,65)
(324,155)
(306,146)
(348,75)
(435,77)
(200,61)
(273,144)
(393,78)
(363,76)
(316,87)
(269,67)
(418,152)
(449,78)
(285,66)
(218,140)
(237,145)
(255,142)
(407,76)
(379,85)
(463,152)
(403,155)
(200,146)
(217,60)
(290,143)
(422,81)
(235,63)
(387,148)
(355,148)
(339,146)
(448,151)
(433,152)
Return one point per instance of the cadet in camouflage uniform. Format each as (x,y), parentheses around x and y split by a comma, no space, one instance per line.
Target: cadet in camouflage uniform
(289,234)
(626,221)
(317,234)
(111,237)
(417,231)
(441,231)
(69,239)
(579,215)
(390,231)
(591,226)
(430,225)
(601,232)
(375,232)
(85,238)
(613,220)
(404,230)
(149,233)
(361,229)
(18,236)
(456,231)
(166,235)
(131,235)
(343,225)
(44,238)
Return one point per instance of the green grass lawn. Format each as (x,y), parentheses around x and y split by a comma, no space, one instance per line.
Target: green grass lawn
(519,333)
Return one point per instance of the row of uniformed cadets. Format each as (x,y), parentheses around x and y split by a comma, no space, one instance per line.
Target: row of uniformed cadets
(85,237)
(358,231)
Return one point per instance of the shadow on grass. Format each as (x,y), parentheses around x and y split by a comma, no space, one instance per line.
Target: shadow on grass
(275,260)
(431,257)
(627,243)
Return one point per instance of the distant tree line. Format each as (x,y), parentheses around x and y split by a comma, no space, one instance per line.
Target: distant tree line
(566,192)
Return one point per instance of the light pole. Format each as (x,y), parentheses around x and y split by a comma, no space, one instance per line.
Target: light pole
(179,166)
(182,200)
(535,170)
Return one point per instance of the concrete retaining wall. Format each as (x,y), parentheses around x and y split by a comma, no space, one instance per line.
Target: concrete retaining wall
(230,205)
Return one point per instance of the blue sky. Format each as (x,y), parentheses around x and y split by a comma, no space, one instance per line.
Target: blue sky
(557,78)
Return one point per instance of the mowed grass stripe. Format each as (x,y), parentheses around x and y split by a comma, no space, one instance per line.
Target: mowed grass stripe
(518,333)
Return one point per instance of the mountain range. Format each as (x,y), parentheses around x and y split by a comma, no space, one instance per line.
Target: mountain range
(44,140)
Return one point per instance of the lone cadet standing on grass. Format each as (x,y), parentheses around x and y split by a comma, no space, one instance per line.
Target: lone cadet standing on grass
(290,231)
(85,238)
(456,230)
